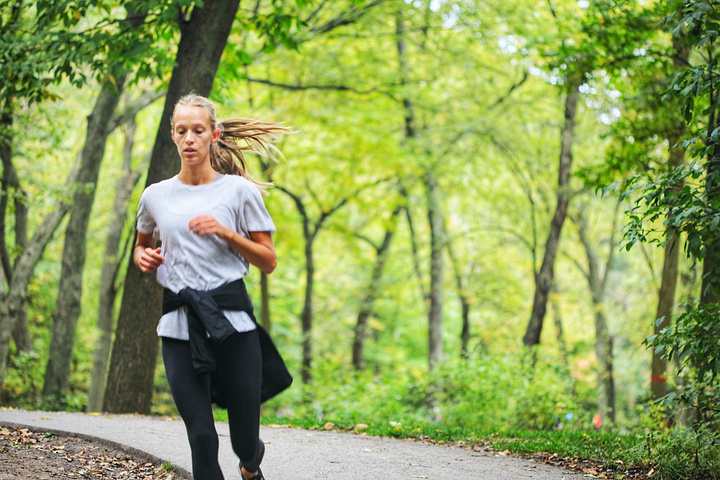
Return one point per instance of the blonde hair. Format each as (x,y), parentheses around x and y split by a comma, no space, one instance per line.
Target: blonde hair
(237,135)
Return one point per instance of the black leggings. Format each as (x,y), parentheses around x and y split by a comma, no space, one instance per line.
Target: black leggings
(239,369)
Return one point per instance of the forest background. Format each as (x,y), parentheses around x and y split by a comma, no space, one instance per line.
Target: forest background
(496,220)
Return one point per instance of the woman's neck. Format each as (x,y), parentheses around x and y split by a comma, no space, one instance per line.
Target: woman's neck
(197,176)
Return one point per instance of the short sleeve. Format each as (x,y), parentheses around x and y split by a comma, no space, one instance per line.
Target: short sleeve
(145,222)
(256,216)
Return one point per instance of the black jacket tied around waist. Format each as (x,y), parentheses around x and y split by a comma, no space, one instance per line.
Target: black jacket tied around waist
(207,323)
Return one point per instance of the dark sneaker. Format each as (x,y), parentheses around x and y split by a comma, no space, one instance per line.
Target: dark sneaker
(256,461)
(257,476)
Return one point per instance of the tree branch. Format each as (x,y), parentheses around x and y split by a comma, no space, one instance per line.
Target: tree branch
(337,88)
(367,240)
(346,18)
(514,87)
(133,108)
(314,13)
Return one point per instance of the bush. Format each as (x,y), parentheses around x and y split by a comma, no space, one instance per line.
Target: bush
(482,394)
(506,391)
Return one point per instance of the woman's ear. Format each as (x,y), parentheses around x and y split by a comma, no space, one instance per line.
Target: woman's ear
(216,135)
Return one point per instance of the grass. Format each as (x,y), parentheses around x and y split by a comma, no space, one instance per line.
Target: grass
(604,449)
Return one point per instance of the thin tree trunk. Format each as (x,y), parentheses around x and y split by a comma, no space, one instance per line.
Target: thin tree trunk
(307,313)
(21,334)
(67,310)
(132,364)
(464,300)
(604,353)
(597,281)
(559,334)
(666,295)
(265,301)
(371,292)
(437,244)
(14,300)
(544,278)
(684,415)
(711,262)
(413,243)
(111,262)
(435,218)
(310,232)
(557,320)
(10,183)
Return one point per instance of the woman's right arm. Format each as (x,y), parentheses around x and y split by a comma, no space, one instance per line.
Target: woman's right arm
(145,255)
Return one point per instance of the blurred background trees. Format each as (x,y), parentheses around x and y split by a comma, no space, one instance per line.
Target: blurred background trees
(460,171)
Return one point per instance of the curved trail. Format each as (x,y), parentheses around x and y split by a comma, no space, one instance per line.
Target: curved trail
(295,454)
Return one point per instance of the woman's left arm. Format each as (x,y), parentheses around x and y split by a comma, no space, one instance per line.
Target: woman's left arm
(259,249)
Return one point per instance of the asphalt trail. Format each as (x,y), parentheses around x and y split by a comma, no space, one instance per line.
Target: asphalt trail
(295,454)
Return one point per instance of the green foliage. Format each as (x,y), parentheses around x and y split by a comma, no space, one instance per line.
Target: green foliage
(23,382)
(506,391)
(693,342)
(45,43)
(685,200)
(682,454)
(485,393)
(482,78)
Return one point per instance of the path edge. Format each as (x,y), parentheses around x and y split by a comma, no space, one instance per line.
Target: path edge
(182,474)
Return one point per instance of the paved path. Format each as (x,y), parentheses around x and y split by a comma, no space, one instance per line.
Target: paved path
(295,454)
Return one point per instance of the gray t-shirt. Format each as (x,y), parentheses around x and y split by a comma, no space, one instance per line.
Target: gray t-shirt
(191,260)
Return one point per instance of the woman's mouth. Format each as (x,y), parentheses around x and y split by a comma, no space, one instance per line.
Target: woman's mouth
(189,151)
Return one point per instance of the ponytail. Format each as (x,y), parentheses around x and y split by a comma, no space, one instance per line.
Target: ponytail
(238,135)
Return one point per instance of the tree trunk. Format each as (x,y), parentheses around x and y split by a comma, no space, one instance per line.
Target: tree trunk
(265,301)
(21,334)
(132,363)
(437,244)
(597,281)
(684,415)
(67,310)
(310,232)
(666,296)
(14,301)
(307,313)
(544,278)
(604,353)
(557,320)
(562,343)
(371,292)
(435,346)
(108,276)
(710,292)
(666,302)
(464,300)
(10,183)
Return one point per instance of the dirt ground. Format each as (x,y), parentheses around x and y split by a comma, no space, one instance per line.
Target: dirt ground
(36,455)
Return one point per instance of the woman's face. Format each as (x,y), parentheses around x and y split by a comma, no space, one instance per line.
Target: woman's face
(193,135)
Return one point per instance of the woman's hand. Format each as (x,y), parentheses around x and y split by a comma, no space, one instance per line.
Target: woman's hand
(145,255)
(258,249)
(150,259)
(207,225)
